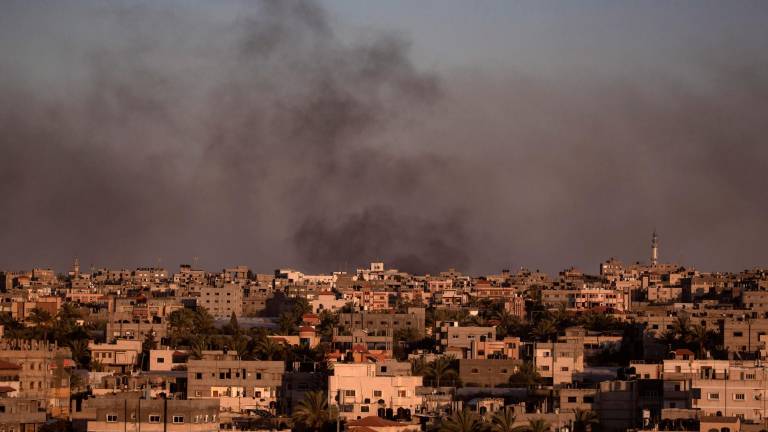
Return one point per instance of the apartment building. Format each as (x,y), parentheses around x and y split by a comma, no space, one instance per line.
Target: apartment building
(238,384)
(592,342)
(222,301)
(119,356)
(133,414)
(572,399)
(558,361)
(740,390)
(584,296)
(363,342)
(361,390)
(381,322)
(167,360)
(43,373)
(21,414)
(463,340)
(487,372)
(743,335)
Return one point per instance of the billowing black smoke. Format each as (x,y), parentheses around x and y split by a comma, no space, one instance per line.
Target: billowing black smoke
(133,133)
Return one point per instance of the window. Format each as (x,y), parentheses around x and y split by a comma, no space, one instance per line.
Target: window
(713,396)
(738,334)
(349,393)
(154,418)
(564,369)
(377,393)
(545,368)
(474,370)
(738,396)
(589,399)
(364,408)
(571,399)
(160,360)
(111,418)
(178,419)
(402,393)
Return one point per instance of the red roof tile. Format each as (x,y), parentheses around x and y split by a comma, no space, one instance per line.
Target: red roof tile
(373,421)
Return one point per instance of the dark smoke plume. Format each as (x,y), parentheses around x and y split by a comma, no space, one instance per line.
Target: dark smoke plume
(136,132)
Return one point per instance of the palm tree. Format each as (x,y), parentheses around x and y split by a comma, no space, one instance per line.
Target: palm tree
(441,369)
(42,319)
(698,337)
(286,324)
(584,420)
(526,375)
(80,352)
(681,327)
(419,366)
(268,349)
(545,330)
(69,311)
(504,421)
(462,421)
(312,412)
(240,344)
(199,344)
(561,317)
(537,425)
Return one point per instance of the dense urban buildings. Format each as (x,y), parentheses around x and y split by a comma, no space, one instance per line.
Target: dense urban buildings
(641,346)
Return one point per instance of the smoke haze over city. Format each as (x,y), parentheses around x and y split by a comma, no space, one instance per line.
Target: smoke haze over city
(321,137)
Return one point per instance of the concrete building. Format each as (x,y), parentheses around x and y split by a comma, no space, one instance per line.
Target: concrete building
(743,335)
(120,356)
(43,375)
(133,414)
(222,302)
(21,414)
(379,323)
(558,361)
(238,384)
(361,391)
(486,372)
(455,339)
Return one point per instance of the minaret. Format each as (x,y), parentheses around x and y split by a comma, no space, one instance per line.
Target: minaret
(76,267)
(655,249)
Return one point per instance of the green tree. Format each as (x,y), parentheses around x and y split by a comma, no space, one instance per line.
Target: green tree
(584,420)
(286,324)
(233,327)
(525,375)
(268,349)
(462,421)
(440,370)
(42,320)
(545,330)
(80,352)
(537,425)
(313,413)
(504,421)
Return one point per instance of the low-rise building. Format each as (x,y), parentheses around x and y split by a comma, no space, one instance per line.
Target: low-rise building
(361,391)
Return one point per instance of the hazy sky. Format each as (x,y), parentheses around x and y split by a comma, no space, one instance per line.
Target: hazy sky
(428,134)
